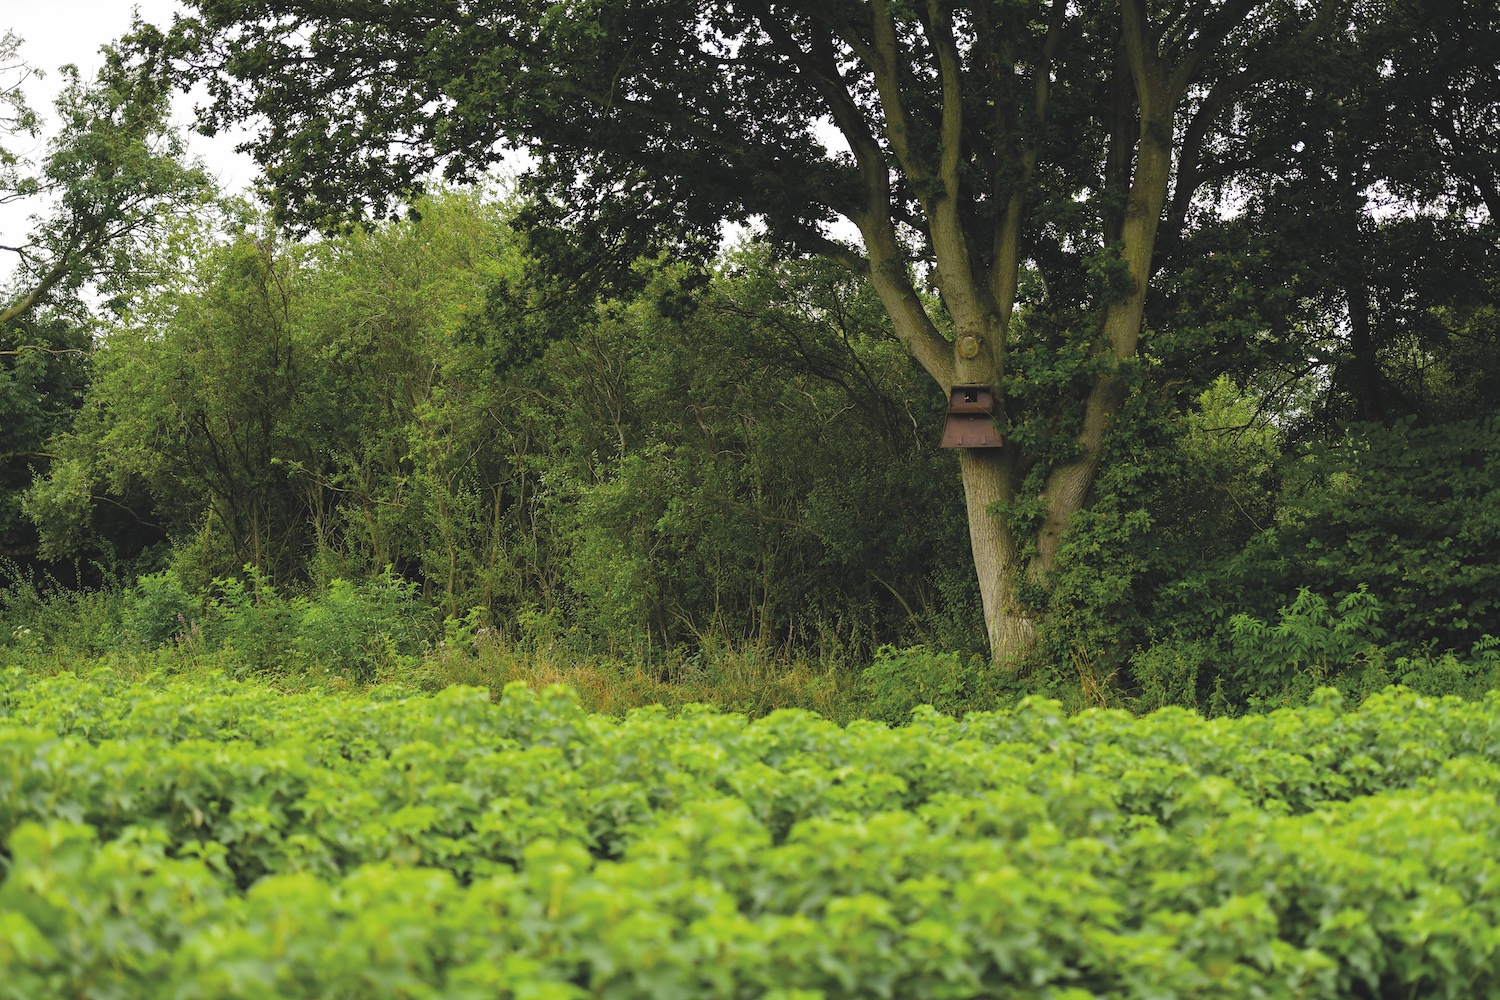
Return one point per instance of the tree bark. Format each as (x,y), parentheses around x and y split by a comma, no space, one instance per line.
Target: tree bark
(988,487)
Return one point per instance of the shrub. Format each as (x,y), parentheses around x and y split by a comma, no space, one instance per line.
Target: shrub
(901,679)
(359,628)
(352,629)
(157,609)
(1306,648)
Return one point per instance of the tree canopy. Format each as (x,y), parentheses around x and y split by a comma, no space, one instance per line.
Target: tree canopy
(114,169)
(1019,174)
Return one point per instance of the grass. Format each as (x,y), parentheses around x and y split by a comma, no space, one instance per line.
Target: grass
(365,642)
(746,681)
(739,680)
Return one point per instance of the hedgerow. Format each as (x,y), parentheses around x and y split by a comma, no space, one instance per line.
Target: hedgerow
(227,840)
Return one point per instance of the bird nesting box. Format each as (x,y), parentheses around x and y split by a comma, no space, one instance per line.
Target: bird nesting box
(971,418)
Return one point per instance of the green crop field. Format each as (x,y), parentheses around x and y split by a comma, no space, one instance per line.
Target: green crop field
(222,839)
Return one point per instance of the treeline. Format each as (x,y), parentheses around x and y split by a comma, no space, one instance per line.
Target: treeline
(739,457)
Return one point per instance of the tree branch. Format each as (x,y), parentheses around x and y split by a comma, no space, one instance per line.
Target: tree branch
(1218,28)
(961,291)
(1006,251)
(884,67)
(887,263)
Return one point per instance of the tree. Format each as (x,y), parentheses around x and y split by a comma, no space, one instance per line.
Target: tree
(1018,155)
(115,169)
(1369,180)
(17,119)
(312,409)
(110,176)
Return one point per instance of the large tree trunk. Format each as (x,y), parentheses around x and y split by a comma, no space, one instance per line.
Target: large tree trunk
(987,490)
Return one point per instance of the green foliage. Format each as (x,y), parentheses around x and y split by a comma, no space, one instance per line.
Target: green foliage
(108,185)
(157,609)
(224,839)
(345,632)
(40,615)
(720,461)
(249,617)
(348,629)
(361,627)
(17,119)
(44,370)
(261,403)
(729,462)
(1310,640)
(1175,672)
(901,680)
(1447,673)
(1258,665)
(361,636)
(756,471)
(1411,512)
(1177,490)
(112,176)
(1377,553)
(1213,571)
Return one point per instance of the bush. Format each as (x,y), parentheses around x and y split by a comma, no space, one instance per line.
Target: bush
(1307,648)
(45,618)
(351,629)
(1167,673)
(253,620)
(1261,665)
(902,679)
(1412,514)
(360,628)
(157,609)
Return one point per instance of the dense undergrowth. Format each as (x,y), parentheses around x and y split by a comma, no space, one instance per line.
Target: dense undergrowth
(220,838)
(351,637)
